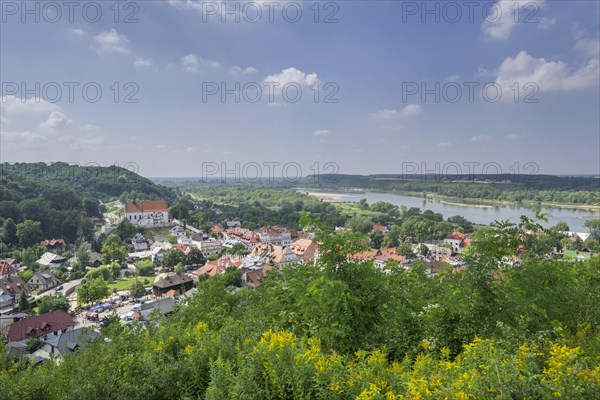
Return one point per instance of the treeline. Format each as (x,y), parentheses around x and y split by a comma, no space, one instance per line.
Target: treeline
(345,329)
(99,182)
(533,189)
(253,205)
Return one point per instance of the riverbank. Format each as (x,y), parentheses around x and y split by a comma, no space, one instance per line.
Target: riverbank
(337,196)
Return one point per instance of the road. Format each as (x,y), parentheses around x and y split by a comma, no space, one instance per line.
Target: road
(66,286)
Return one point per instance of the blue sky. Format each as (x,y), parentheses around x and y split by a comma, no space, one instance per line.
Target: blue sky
(170,53)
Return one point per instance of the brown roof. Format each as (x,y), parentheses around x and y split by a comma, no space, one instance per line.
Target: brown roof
(53,243)
(456,235)
(6,268)
(147,206)
(173,280)
(13,285)
(40,325)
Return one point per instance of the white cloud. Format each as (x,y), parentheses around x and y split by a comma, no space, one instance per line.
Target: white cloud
(547,75)
(76,32)
(16,105)
(546,23)
(443,144)
(237,71)
(25,137)
(292,75)
(192,63)
(322,133)
(390,115)
(4,121)
(141,62)
(111,41)
(90,127)
(513,136)
(56,120)
(481,138)
(505,15)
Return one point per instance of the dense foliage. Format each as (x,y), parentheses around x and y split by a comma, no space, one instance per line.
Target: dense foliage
(345,329)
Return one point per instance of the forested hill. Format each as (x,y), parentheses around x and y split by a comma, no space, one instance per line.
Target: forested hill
(99,182)
(39,201)
(505,187)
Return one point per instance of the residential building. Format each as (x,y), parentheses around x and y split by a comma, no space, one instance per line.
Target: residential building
(12,286)
(51,260)
(7,269)
(40,325)
(54,244)
(43,280)
(245,236)
(306,250)
(140,243)
(148,213)
(274,255)
(275,235)
(67,341)
(173,281)
(210,247)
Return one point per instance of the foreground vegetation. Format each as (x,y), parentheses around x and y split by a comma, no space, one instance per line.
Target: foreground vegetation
(345,329)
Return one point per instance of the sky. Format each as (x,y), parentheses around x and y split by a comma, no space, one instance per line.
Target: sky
(184,88)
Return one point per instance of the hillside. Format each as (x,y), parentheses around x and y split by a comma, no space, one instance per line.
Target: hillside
(40,201)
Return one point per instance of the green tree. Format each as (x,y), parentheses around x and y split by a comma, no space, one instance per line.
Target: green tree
(405,249)
(9,236)
(137,289)
(29,233)
(53,302)
(172,257)
(24,302)
(594,226)
(113,250)
(92,290)
(82,255)
(195,257)
(360,224)
(144,268)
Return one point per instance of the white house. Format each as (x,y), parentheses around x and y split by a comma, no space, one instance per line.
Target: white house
(148,213)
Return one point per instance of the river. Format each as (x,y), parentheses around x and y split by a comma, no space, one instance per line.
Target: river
(478,214)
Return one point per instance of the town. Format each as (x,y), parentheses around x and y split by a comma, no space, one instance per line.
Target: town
(163,258)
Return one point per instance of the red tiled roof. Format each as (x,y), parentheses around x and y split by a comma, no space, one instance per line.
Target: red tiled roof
(6,268)
(39,325)
(456,235)
(147,206)
(53,243)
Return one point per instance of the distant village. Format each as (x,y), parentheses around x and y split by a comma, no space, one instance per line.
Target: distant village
(224,247)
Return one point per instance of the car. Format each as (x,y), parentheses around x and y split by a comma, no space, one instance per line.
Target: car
(59,287)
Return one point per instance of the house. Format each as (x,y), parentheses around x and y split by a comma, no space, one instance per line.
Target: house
(455,239)
(233,223)
(274,255)
(215,231)
(178,231)
(43,280)
(148,213)
(217,267)
(275,235)
(162,306)
(178,282)
(140,243)
(40,325)
(245,236)
(380,228)
(95,259)
(8,319)
(54,244)
(62,342)
(12,286)
(306,250)
(7,269)
(51,260)
(210,247)
(389,255)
